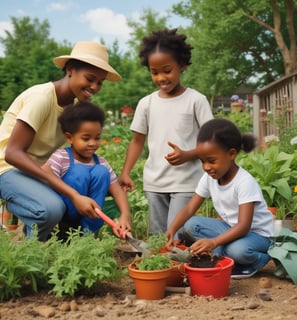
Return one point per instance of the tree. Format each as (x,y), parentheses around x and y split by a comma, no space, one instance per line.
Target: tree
(239,42)
(136,81)
(283,28)
(134,85)
(28,58)
(150,21)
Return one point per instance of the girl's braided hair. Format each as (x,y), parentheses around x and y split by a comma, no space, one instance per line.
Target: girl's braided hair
(166,41)
(226,134)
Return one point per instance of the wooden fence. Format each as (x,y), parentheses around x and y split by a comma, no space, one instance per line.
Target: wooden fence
(275,106)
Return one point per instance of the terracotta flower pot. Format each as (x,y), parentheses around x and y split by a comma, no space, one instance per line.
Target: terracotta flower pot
(273,210)
(177,273)
(149,285)
(9,220)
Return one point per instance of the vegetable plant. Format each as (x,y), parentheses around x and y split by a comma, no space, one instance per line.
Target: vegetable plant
(156,242)
(115,140)
(23,264)
(154,262)
(82,262)
(274,172)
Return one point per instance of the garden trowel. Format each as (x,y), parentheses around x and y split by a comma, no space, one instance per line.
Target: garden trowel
(140,246)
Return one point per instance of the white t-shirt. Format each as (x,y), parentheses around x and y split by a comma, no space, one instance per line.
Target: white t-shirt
(226,200)
(177,120)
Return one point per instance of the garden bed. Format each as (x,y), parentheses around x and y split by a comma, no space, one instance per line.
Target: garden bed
(117,301)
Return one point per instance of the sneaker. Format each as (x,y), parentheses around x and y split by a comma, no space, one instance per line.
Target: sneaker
(242,272)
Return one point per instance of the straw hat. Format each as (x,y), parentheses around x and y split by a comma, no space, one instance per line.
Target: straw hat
(90,52)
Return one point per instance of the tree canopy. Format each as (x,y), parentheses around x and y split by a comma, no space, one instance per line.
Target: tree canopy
(239,42)
(235,42)
(28,58)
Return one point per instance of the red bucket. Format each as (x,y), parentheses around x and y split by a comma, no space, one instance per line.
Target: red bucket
(210,281)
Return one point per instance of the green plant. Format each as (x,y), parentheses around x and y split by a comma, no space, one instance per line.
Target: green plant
(156,242)
(292,205)
(82,262)
(274,172)
(115,140)
(207,209)
(243,120)
(154,262)
(23,264)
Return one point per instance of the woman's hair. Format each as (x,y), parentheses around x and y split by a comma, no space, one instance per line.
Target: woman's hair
(73,115)
(166,41)
(225,133)
(76,65)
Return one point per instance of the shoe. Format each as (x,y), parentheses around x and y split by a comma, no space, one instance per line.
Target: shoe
(242,272)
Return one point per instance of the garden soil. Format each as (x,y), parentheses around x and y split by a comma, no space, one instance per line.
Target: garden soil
(117,301)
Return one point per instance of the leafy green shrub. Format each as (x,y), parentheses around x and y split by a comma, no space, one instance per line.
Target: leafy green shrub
(22,265)
(82,262)
(274,172)
(243,120)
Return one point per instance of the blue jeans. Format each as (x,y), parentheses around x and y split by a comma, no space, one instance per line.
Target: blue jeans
(250,250)
(32,201)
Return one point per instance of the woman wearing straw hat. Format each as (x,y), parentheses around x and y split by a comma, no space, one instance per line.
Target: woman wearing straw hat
(30,132)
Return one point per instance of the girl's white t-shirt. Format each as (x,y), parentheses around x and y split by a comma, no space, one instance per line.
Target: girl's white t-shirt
(178,120)
(242,189)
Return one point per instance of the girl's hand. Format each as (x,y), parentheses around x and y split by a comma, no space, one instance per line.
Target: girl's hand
(126,183)
(170,236)
(86,206)
(203,246)
(124,227)
(175,157)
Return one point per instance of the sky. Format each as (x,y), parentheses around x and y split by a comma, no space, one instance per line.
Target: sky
(85,20)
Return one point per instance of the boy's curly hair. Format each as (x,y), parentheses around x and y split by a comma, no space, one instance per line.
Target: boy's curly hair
(73,115)
(166,41)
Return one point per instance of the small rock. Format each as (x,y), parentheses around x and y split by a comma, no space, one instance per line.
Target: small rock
(73,305)
(264,295)
(99,312)
(65,306)
(253,305)
(127,302)
(45,311)
(265,283)
(236,308)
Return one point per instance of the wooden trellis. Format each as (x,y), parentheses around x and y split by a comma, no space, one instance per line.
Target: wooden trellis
(275,106)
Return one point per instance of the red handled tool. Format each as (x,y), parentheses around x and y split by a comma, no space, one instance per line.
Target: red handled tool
(139,245)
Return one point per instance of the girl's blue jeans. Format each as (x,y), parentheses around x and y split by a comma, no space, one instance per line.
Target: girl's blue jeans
(32,201)
(250,250)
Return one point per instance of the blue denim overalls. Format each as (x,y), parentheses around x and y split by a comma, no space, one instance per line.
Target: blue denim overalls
(89,180)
